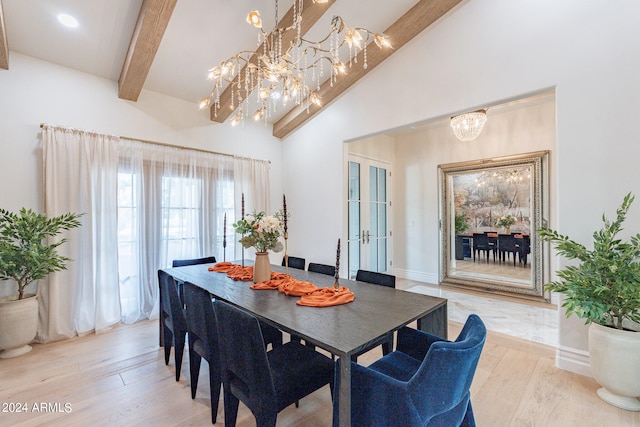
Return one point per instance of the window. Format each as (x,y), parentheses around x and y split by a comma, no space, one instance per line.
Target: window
(171,205)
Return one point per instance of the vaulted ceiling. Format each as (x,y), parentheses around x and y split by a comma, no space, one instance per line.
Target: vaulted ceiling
(167,46)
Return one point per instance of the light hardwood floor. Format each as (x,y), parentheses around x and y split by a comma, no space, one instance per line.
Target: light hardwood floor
(119,378)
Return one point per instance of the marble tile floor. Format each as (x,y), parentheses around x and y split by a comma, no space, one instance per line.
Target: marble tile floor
(522,320)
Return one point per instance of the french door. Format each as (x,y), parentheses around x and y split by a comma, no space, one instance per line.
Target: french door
(368,214)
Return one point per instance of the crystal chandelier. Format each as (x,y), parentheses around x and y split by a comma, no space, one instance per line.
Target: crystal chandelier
(468,126)
(281,74)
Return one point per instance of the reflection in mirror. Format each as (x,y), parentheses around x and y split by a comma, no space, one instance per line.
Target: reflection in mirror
(490,210)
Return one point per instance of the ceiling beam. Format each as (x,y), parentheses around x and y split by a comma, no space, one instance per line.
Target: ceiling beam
(152,22)
(310,14)
(4,46)
(409,25)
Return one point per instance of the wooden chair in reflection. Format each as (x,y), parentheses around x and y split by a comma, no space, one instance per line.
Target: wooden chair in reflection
(506,247)
(524,247)
(481,244)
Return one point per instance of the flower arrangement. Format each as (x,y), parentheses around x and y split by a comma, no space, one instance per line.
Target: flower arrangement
(260,231)
(506,221)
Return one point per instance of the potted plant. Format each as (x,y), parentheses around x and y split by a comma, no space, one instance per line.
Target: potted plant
(461,225)
(604,289)
(27,256)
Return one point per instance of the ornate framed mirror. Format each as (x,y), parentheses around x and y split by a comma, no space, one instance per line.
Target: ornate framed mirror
(489,212)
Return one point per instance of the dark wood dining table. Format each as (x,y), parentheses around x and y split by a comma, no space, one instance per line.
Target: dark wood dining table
(342,330)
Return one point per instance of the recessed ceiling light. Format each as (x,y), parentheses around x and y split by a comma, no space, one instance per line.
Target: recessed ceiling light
(67,20)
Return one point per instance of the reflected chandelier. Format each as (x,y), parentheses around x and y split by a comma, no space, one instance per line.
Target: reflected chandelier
(279,73)
(467,127)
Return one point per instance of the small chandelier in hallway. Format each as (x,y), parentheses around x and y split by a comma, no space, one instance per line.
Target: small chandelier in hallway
(468,126)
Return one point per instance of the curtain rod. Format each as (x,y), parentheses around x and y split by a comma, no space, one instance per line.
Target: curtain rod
(182,147)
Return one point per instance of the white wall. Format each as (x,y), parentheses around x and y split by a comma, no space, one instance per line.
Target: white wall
(34,92)
(482,53)
(523,128)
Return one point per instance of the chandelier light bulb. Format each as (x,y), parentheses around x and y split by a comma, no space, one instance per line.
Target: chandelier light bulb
(315,99)
(253,18)
(264,93)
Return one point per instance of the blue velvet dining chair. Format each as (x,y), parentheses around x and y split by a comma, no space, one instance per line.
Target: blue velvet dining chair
(329,270)
(190,261)
(172,320)
(193,261)
(265,381)
(294,262)
(380,279)
(425,382)
(271,335)
(203,342)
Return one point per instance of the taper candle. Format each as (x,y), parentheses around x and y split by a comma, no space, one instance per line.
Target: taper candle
(242,218)
(337,276)
(284,214)
(224,238)
(224,231)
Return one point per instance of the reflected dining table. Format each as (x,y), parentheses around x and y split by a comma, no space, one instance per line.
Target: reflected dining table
(342,330)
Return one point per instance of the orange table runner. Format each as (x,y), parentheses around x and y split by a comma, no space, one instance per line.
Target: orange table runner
(234,271)
(310,294)
(326,297)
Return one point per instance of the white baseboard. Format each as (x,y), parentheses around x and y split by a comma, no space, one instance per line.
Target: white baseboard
(418,276)
(573,360)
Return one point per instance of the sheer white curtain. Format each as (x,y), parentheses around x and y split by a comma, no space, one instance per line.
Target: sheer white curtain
(171,205)
(80,172)
(252,181)
(145,205)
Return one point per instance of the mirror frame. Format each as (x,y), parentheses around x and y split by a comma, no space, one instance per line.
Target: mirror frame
(538,162)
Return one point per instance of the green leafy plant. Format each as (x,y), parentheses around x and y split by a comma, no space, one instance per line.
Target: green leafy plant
(605,287)
(25,255)
(461,223)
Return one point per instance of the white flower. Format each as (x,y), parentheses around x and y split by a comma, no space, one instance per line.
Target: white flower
(260,231)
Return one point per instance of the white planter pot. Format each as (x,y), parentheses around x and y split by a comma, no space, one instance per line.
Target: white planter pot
(18,325)
(615,363)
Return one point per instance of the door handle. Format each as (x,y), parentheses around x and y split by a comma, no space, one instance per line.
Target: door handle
(367,236)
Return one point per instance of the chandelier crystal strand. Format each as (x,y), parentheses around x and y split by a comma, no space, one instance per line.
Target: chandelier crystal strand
(365,58)
(279,73)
